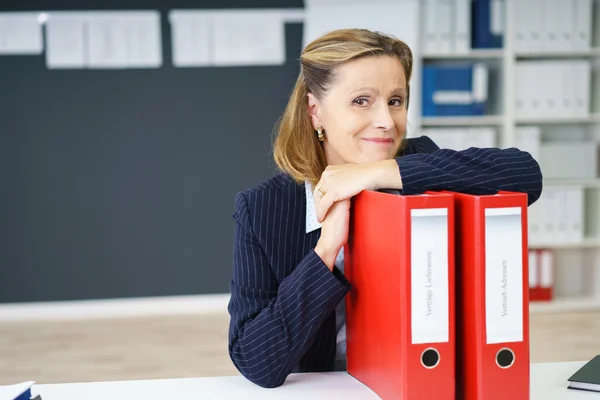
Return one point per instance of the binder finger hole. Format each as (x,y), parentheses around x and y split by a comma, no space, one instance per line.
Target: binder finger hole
(505,358)
(430,358)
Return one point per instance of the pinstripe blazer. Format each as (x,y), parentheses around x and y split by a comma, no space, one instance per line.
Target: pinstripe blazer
(283,296)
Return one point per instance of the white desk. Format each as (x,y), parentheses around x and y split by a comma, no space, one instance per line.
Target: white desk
(548,382)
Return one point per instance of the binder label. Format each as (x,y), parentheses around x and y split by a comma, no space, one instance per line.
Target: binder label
(429,275)
(503,275)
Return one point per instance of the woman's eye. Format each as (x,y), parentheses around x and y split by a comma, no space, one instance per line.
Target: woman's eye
(361,101)
(397,102)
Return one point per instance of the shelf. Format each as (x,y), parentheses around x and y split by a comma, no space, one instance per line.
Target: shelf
(593,52)
(473,54)
(588,243)
(590,119)
(462,121)
(565,305)
(587,183)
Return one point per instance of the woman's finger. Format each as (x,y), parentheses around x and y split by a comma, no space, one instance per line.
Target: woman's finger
(323,206)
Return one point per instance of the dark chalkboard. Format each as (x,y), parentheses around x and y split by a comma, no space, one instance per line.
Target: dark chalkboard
(120,183)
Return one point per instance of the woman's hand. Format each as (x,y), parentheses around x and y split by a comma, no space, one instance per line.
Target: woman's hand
(334,232)
(342,182)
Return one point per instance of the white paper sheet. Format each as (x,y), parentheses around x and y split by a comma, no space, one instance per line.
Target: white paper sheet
(11,392)
(103,39)
(65,46)
(190,38)
(124,40)
(20,33)
(248,38)
(144,40)
(229,38)
(107,41)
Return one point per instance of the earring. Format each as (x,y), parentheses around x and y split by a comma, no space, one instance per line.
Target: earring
(320,133)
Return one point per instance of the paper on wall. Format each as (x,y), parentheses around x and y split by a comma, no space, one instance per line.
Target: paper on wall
(248,38)
(229,38)
(124,40)
(20,33)
(65,47)
(104,39)
(107,41)
(190,38)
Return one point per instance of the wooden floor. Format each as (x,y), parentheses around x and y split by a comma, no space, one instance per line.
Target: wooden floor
(171,347)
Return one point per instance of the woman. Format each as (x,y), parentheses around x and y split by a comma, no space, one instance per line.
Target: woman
(343,131)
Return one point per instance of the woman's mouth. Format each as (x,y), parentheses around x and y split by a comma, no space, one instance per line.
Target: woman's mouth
(379,140)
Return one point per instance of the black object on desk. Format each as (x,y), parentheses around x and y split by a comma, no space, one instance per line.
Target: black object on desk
(587,377)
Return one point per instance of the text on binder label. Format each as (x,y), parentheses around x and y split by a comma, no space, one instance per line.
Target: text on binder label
(503,275)
(429,275)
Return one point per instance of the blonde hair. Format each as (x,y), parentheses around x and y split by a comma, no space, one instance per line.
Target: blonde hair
(296,149)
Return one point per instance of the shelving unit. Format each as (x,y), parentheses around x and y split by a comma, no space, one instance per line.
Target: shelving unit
(474,54)
(487,120)
(593,52)
(593,118)
(585,254)
(586,183)
(588,243)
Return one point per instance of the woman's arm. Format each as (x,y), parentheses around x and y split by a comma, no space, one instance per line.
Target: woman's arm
(424,166)
(474,170)
(272,325)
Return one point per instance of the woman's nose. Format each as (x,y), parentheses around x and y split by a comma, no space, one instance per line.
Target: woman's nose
(383,118)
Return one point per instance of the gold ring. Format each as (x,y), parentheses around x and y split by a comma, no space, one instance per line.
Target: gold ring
(321,192)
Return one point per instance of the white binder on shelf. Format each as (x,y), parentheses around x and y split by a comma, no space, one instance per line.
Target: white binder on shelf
(565,11)
(582,38)
(429,32)
(561,216)
(444,21)
(546,278)
(581,71)
(529,138)
(550,18)
(533,268)
(535,24)
(462,26)
(521,31)
(575,214)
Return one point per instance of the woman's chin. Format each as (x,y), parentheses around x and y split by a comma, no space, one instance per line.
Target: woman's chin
(379,156)
(374,153)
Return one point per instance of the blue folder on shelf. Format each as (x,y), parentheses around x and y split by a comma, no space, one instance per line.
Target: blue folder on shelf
(455,90)
(487,24)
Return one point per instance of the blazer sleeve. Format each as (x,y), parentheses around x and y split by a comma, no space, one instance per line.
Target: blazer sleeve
(424,166)
(273,324)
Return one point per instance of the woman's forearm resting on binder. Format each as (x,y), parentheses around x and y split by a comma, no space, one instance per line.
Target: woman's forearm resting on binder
(474,170)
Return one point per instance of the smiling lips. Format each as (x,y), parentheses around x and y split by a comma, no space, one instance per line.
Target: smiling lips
(380,140)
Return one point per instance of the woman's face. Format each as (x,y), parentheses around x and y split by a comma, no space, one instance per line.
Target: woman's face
(363,112)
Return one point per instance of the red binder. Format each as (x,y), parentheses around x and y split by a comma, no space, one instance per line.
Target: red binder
(400,312)
(492,287)
(540,269)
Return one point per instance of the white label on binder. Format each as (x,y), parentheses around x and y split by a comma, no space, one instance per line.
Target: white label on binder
(497,17)
(503,275)
(429,275)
